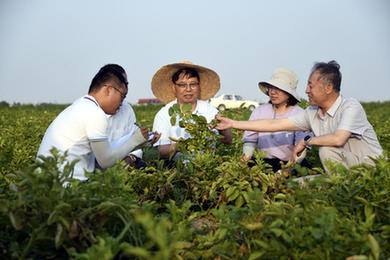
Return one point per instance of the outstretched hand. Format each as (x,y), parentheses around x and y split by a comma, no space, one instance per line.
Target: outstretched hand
(223,122)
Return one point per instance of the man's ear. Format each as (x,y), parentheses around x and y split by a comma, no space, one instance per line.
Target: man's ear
(328,88)
(106,90)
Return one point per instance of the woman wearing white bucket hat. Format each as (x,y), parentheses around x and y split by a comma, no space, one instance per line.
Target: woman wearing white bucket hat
(279,146)
(183,83)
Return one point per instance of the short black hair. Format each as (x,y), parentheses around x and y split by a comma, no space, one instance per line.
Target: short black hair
(107,73)
(330,72)
(113,66)
(191,73)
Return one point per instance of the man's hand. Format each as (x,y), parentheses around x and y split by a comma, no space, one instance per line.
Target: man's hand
(144,132)
(153,137)
(298,150)
(223,123)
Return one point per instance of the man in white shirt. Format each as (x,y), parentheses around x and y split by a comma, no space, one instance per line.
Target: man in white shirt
(123,122)
(340,125)
(183,83)
(81,129)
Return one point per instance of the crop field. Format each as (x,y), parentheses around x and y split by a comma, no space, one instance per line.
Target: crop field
(209,206)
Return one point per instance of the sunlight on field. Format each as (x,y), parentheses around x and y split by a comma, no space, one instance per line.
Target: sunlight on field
(213,207)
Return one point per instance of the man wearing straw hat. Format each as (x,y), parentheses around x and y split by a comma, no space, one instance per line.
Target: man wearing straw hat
(340,125)
(183,83)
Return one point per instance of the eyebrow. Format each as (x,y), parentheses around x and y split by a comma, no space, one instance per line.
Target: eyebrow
(195,81)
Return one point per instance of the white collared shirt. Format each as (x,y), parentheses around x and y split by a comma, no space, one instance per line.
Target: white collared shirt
(345,114)
(73,130)
(162,122)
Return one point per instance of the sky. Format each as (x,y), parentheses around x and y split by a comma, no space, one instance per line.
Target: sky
(51,49)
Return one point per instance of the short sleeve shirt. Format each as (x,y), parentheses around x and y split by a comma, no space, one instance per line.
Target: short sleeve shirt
(122,122)
(162,123)
(73,129)
(277,144)
(345,114)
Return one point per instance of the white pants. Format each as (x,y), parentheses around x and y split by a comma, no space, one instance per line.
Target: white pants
(352,153)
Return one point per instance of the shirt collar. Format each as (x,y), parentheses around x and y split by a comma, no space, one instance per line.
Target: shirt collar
(332,110)
(92,99)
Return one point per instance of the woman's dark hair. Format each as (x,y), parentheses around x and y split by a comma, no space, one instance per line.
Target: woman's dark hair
(330,72)
(107,73)
(186,72)
(291,101)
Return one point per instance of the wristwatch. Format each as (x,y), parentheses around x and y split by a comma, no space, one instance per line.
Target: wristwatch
(306,140)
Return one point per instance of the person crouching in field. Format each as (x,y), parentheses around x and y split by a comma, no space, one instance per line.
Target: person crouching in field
(283,103)
(183,83)
(123,122)
(340,125)
(81,129)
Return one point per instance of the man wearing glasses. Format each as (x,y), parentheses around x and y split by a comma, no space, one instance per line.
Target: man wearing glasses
(183,83)
(81,129)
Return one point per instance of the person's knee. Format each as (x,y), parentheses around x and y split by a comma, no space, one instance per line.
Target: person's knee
(330,153)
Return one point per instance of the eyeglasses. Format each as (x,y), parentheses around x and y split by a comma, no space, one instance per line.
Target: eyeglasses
(123,95)
(273,89)
(192,85)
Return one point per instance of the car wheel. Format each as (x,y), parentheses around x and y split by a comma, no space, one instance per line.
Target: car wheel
(221,107)
(251,107)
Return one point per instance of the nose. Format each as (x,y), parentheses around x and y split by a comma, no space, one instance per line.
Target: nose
(307,89)
(188,88)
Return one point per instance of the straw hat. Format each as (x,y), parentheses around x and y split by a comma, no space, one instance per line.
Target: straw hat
(162,85)
(283,79)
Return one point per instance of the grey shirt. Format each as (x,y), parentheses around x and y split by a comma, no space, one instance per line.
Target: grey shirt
(345,114)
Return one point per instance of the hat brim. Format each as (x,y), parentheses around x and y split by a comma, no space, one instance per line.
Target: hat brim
(263,85)
(162,85)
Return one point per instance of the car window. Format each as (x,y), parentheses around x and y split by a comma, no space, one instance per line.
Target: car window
(228,97)
(238,97)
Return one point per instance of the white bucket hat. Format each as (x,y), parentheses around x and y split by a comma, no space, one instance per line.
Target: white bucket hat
(283,79)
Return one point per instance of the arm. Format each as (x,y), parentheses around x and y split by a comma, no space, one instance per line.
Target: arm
(337,139)
(247,150)
(167,150)
(107,153)
(265,125)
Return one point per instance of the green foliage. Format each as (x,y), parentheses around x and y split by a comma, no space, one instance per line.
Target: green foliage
(202,137)
(211,207)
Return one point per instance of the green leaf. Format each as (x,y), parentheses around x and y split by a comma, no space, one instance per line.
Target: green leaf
(14,221)
(374,246)
(280,196)
(59,238)
(137,251)
(256,255)
(186,108)
(171,111)
(253,226)
(239,202)
(173,120)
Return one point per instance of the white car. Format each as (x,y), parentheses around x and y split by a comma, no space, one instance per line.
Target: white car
(225,101)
